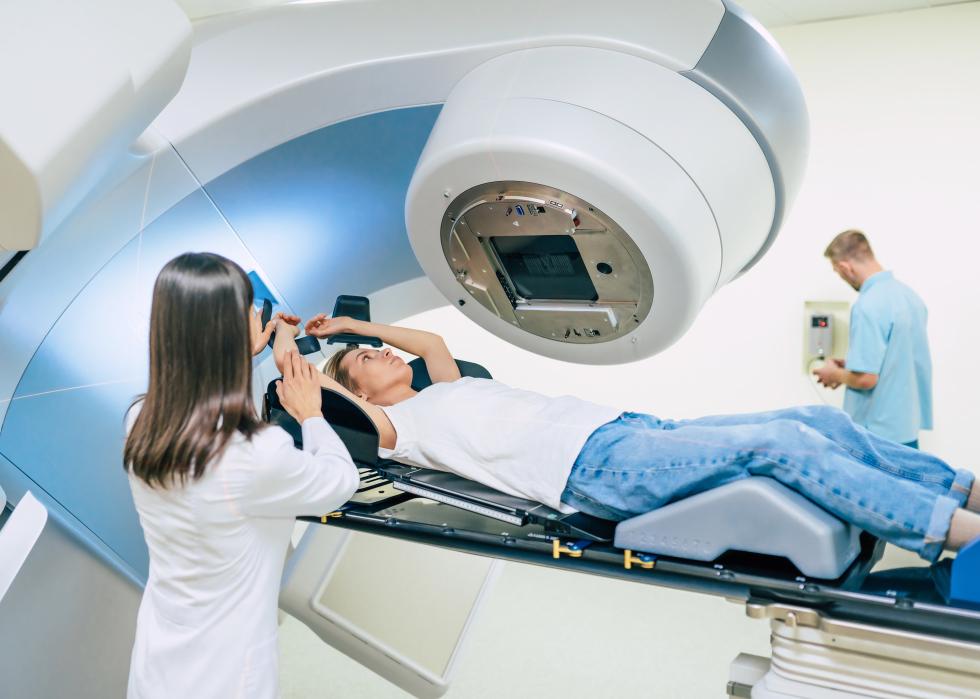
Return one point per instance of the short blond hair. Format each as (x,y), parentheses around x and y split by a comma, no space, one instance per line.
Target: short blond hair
(852,244)
(339,373)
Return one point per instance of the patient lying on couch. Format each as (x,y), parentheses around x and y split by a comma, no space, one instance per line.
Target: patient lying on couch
(575,455)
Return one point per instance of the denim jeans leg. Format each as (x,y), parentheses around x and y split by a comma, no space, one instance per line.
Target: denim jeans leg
(639,463)
(896,459)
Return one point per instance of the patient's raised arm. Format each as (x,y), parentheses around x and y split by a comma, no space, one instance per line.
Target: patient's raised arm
(287,329)
(429,346)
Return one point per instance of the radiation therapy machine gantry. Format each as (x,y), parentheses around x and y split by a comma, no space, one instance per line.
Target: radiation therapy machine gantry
(577,179)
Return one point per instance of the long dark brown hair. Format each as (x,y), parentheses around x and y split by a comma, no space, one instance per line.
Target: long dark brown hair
(200,391)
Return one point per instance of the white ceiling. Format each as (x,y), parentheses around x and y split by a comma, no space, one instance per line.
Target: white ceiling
(772,13)
(779,13)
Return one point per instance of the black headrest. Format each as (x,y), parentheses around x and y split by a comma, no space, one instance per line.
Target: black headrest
(351,424)
(421,379)
(359,308)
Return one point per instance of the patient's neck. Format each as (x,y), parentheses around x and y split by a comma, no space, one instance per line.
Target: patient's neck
(395,394)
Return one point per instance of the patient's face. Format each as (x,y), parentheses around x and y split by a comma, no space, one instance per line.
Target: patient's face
(376,372)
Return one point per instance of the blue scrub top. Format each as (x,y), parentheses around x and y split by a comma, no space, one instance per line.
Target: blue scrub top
(888,338)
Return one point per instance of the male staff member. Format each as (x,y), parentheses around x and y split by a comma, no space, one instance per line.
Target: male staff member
(888,372)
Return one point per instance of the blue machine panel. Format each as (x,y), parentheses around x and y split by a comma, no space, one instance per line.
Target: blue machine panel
(315,217)
(325,213)
(64,428)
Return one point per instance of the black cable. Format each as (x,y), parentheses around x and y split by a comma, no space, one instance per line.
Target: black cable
(11,263)
(813,382)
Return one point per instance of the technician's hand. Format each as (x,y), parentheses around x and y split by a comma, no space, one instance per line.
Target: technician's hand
(324,326)
(259,335)
(831,373)
(299,389)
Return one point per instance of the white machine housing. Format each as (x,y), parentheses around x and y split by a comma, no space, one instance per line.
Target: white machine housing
(81,81)
(672,167)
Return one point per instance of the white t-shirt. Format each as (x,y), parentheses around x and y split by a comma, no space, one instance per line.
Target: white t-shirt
(515,441)
(207,624)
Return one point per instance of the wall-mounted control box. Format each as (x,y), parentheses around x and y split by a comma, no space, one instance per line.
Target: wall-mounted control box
(820,342)
(825,327)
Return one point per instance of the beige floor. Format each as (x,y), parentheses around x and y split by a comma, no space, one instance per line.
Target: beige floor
(547,633)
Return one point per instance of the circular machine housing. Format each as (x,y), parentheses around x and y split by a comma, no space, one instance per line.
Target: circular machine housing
(584,203)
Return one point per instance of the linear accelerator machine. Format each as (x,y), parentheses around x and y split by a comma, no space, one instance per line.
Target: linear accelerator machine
(578,181)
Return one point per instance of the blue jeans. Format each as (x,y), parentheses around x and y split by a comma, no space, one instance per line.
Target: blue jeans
(638,463)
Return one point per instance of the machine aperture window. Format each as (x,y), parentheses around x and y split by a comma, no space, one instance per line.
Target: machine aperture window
(546,262)
(545,267)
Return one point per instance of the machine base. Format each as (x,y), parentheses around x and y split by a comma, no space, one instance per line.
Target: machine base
(814,657)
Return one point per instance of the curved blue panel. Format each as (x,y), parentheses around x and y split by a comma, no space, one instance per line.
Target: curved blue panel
(325,213)
(64,428)
(319,216)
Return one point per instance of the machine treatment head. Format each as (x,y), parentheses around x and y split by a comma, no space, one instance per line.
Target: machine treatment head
(589,220)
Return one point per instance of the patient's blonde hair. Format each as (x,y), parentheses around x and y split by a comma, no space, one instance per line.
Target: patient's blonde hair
(339,373)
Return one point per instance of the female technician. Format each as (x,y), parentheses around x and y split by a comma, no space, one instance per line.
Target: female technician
(217,491)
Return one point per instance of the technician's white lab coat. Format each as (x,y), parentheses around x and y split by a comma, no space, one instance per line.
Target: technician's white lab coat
(207,625)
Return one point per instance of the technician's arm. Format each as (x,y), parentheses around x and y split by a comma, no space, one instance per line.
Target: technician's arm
(834,373)
(289,482)
(860,380)
(429,346)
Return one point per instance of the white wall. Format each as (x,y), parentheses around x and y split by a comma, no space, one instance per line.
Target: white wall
(895,112)
(895,108)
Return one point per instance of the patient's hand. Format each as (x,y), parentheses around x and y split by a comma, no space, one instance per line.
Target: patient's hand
(287,323)
(260,336)
(323,326)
